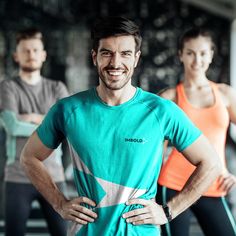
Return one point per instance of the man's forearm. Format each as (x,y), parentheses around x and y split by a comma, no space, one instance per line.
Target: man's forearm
(41,179)
(15,127)
(32,118)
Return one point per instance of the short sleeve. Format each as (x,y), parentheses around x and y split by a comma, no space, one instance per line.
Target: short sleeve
(51,132)
(60,90)
(177,127)
(8,96)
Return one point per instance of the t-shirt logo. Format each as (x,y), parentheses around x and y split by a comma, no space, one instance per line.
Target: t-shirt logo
(135,140)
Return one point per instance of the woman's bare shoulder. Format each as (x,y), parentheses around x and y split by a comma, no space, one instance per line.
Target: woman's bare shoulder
(168,93)
(227,92)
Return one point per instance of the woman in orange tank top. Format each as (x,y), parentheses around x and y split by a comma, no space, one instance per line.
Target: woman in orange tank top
(210,107)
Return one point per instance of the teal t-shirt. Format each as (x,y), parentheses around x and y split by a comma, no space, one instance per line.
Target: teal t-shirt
(116,152)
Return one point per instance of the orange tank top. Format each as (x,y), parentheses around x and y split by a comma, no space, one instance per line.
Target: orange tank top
(213,122)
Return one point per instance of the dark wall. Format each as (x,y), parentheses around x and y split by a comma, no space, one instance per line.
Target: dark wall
(161,23)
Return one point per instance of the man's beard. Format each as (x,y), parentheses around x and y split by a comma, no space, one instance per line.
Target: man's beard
(30,69)
(109,86)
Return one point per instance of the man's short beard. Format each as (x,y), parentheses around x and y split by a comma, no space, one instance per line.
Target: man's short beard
(114,88)
(30,69)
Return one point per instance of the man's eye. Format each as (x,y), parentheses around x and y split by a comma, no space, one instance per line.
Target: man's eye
(106,54)
(127,54)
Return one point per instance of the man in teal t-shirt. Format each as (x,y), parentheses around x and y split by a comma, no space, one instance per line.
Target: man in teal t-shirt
(115,133)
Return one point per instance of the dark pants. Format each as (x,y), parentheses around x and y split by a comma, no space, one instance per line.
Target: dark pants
(18,200)
(212,214)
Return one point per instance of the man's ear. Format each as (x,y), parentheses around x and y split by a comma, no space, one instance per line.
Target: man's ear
(212,55)
(44,55)
(15,57)
(137,56)
(94,57)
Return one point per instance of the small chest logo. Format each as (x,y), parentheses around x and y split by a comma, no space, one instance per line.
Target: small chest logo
(135,140)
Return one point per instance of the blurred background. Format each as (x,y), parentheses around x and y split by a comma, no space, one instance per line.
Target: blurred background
(66,28)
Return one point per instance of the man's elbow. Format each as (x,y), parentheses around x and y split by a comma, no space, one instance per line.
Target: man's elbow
(216,168)
(24,159)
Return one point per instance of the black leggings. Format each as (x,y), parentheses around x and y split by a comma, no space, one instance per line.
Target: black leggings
(18,200)
(212,214)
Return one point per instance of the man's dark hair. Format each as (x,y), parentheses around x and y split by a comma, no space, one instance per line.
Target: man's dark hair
(29,33)
(115,26)
(193,33)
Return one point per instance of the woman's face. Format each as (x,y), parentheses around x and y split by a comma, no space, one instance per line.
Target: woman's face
(196,55)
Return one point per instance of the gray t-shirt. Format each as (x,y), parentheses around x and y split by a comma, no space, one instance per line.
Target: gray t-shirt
(22,98)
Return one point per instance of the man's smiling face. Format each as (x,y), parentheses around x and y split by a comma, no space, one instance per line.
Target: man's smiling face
(115,60)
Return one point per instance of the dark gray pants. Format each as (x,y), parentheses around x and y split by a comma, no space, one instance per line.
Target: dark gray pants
(212,213)
(18,200)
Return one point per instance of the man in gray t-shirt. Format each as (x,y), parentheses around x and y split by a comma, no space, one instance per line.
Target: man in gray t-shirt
(24,102)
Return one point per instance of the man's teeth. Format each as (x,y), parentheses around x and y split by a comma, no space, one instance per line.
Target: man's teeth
(116,73)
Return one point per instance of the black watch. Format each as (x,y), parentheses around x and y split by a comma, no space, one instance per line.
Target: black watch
(167,212)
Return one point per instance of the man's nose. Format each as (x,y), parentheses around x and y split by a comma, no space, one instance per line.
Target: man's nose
(115,60)
(31,53)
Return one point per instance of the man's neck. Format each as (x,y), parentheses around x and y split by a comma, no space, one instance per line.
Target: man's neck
(116,97)
(31,78)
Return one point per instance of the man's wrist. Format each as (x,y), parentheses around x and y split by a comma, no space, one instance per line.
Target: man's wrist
(167,212)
